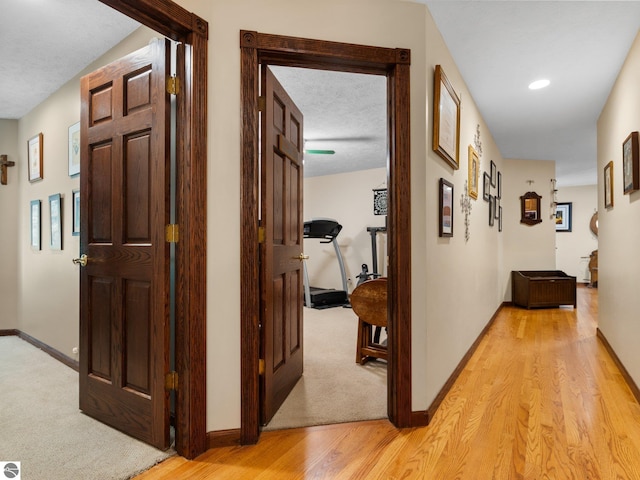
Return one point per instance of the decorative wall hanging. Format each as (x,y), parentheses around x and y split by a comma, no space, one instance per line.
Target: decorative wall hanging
(379,201)
(530,208)
(630,163)
(75,228)
(55,211)
(494,174)
(4,163)
(446,120)
(554,199)
(492,209)
(477,142)
(474,172)
(74,149)
(35,158)
(486,186)
(465,204)
(563,217)
(608,185)
(35,225)
(445,215)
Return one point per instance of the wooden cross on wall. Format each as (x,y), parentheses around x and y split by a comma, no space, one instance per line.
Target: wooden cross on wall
(4,163)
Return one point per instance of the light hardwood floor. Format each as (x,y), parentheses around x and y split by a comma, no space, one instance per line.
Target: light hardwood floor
(540,399)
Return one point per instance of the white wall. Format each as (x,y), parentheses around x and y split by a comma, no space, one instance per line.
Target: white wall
(527,247)
(573,248)
(619,228)
(9,213)
(347,198)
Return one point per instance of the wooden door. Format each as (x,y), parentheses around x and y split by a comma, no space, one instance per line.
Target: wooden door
(281,261)
(124,317)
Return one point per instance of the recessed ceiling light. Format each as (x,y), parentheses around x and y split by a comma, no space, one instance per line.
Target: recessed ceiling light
(538,84)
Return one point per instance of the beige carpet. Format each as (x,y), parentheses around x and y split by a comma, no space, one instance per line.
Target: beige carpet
(333,388)
(41,426)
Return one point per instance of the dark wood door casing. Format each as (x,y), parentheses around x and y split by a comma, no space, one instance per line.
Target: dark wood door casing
(170,19)
(258,48)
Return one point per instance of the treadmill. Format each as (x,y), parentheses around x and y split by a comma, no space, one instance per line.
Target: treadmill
(326,230)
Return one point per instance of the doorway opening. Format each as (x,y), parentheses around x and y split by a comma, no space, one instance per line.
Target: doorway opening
(394,64)
(345,162)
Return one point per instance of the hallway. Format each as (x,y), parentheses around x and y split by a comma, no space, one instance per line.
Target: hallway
(540,398)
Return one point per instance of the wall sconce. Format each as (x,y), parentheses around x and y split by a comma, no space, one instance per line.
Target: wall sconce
(4,163)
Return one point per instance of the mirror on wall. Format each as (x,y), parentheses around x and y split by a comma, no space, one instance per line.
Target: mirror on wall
(530,208)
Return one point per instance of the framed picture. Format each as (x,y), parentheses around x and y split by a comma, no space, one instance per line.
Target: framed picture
(74,149)
(563,217)
(486,186)
(55,212)
(499,219)
(75,228)
(630,163)
(446,120)
(35,225)
(498,207)
(499,195)
(608,185)
(34,158)
(474,172)
(492,209)
(494,174)
(446,209)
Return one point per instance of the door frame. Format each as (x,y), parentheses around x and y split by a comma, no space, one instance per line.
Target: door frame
(257,48)
(171,20)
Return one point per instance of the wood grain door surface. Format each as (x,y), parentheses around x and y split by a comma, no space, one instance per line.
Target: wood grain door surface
(281,265)
(124,317)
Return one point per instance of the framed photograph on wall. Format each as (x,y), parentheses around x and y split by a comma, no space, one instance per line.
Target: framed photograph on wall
(563,217)
(35,224)
(492,210)
(446,120)
(494,174)
(608,185)
(55,212)
(35,158)
(499,219)
(630,164)
(486,186)
(75,228)
(445,215)
(474,172)
(499,194)
(74,149)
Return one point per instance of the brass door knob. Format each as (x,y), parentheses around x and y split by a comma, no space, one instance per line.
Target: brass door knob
(302,257)
(82,261)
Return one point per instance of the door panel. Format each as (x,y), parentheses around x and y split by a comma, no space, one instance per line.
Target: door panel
(281,267)
(124,317)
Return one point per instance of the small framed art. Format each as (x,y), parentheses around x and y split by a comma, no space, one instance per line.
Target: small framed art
(75,229)
(35,224)
(35,158)
(608,185)
(630,163)
(499,219)
(563,217)
(474,172)
(446,120)
(74,149)
(492,209)
(445,215)
(55,212)
(499,194)
(486,186)
(494,173)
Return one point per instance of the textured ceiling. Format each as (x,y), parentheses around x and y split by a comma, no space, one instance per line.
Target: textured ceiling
(499,47)
(45,43)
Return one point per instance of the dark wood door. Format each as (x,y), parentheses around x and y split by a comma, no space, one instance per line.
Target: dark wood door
(281,261)
(124,318)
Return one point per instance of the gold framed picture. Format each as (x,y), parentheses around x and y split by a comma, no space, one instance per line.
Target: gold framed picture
(608,185)
(474,172)
(446,120)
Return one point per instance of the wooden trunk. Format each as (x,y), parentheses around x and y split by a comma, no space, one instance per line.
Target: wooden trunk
(542,288)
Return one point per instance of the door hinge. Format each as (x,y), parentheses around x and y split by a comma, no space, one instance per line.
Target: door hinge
(261,367)
(172,233)
(173,85)
(262,104)
(171,381)
(262,235)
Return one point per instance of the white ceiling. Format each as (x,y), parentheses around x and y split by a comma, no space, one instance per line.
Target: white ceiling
(499,47)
